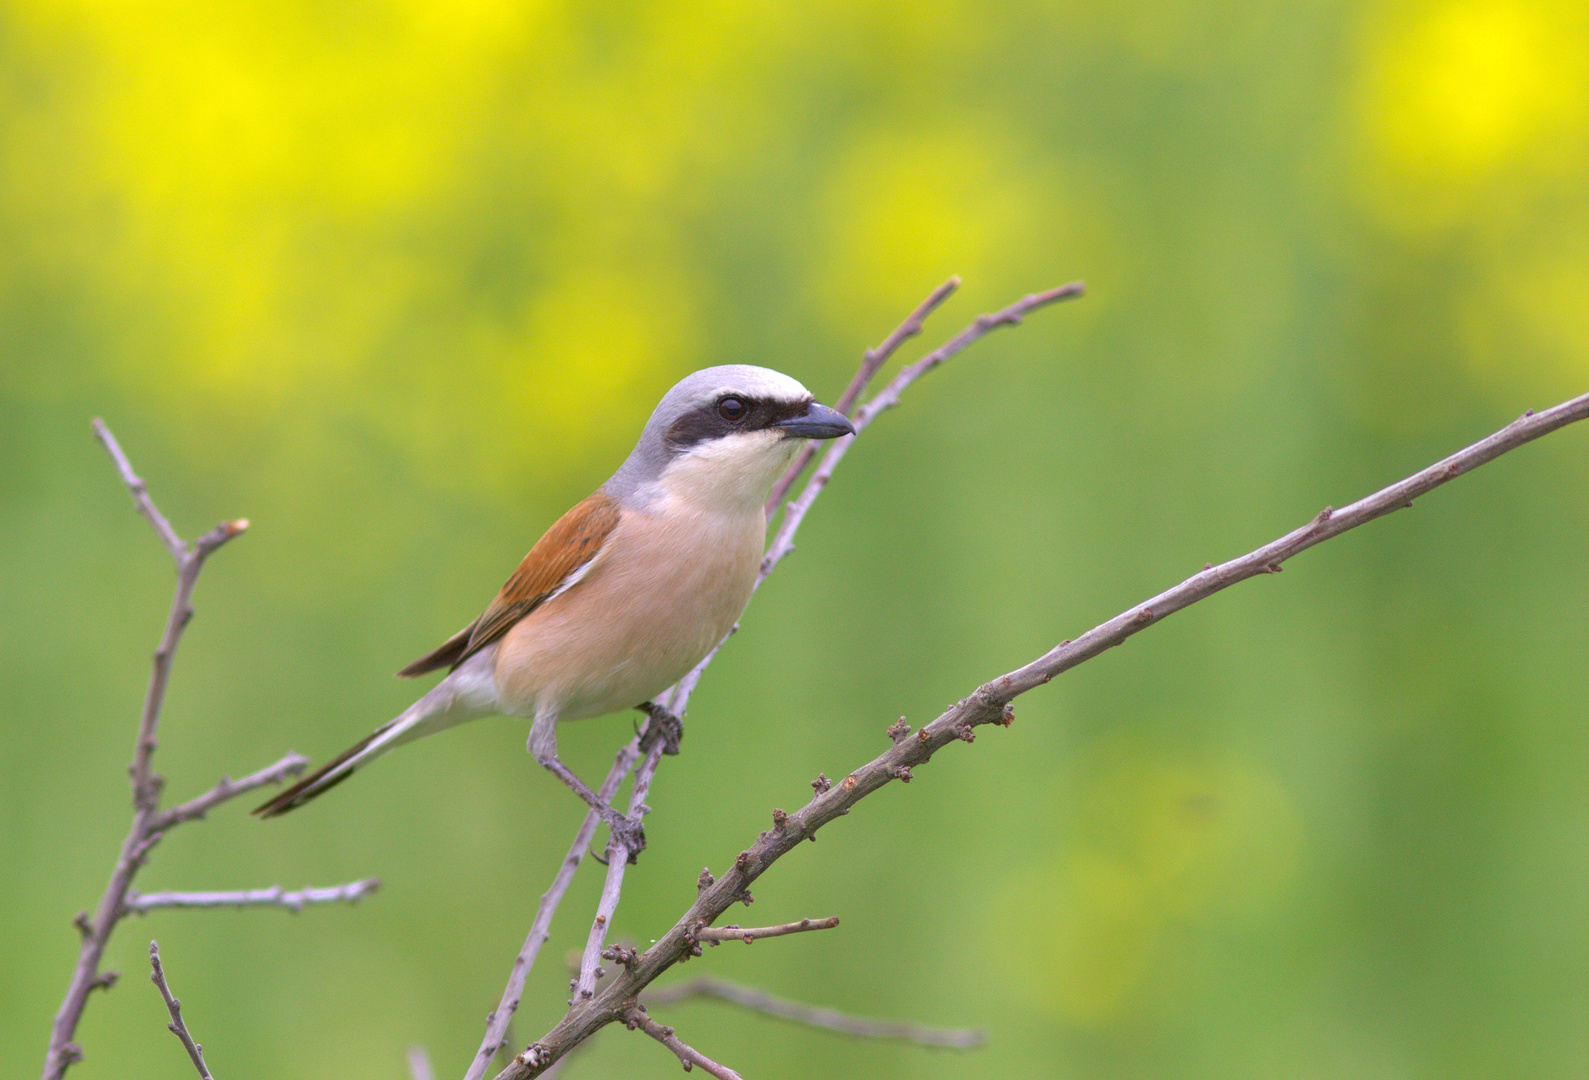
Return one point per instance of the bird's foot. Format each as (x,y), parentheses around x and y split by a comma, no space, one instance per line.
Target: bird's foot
(664,726)
(629,835)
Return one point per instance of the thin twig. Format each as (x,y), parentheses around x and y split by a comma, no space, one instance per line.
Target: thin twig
(227,789)
(748,934)
(497,1023)
(419,1064)
(831,1019)
(989,704)
(870,363)
(142,903)
(636,1019)
(1013,315)
(145,832)
(174,1007)
(617,860)
(140,495)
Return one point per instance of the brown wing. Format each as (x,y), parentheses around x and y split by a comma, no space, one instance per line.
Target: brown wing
(568,545)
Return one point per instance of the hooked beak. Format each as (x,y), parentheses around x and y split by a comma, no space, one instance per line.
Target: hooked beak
(817,422)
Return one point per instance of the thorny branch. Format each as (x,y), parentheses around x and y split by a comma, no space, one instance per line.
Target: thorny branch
(142,903)
(174,1007)
(990,704)
(149,824)
(833,1020)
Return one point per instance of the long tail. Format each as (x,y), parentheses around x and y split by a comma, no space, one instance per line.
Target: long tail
(338,768)
(466,694)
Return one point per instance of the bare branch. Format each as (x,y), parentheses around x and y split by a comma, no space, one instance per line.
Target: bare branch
(617,860)
(870,363)
(1268,559)
(145,785)
(497,1023)
(636,1019)
(145,832)
(990,703)
(749,934)
(955,1038)
(197,807)
(142,903)
(174,1007)
(140,495)
(419,1064)
(888,397)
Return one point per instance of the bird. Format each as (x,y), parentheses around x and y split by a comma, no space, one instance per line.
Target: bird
(627,591)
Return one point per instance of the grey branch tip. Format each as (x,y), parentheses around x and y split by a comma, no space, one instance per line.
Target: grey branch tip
(174,1007)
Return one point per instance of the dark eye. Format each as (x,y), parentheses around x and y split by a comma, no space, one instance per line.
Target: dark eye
(732,409)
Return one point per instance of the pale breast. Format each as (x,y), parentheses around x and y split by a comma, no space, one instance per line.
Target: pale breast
(667,586)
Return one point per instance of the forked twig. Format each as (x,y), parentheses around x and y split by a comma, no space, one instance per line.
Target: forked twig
(618,859)
(143,835)
(888,397)
(870,364)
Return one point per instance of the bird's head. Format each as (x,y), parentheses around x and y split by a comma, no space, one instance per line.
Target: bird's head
(724,435)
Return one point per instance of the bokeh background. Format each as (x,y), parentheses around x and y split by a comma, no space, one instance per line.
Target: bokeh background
(399,281)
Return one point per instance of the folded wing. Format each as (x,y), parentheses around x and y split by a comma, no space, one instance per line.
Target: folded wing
(557,561)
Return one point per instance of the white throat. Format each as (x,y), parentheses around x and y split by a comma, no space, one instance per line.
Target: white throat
(733,474)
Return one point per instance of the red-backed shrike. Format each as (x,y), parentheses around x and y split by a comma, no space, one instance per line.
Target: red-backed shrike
(629,589)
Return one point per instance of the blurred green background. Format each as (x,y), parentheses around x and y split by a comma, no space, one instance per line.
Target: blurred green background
(399,281)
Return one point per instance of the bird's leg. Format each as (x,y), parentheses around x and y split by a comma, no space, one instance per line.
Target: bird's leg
(543,746)
(665,726)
